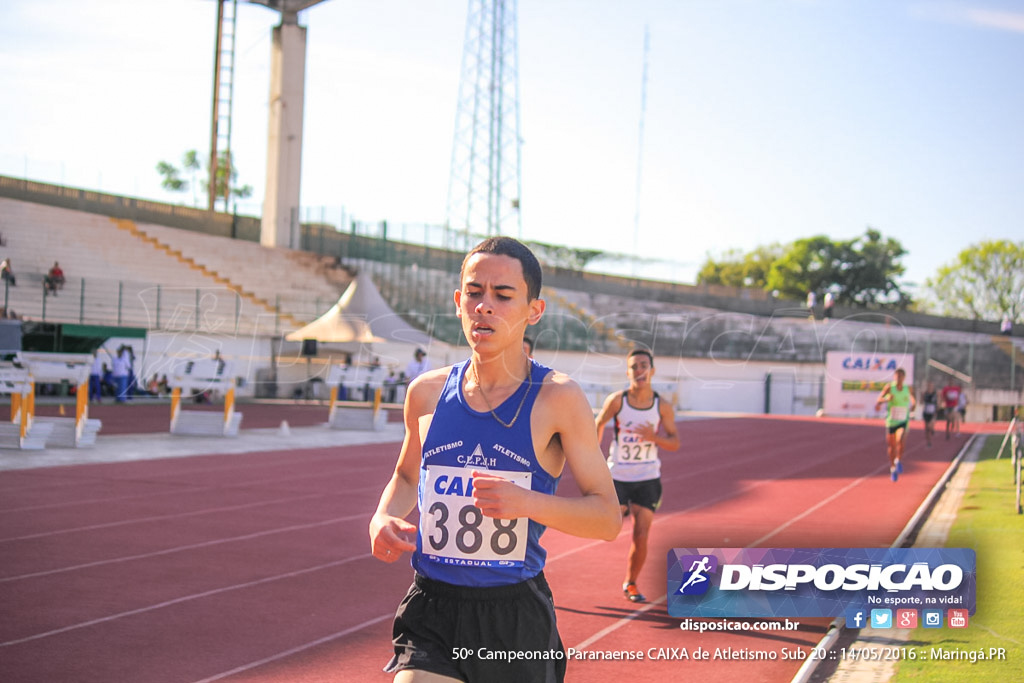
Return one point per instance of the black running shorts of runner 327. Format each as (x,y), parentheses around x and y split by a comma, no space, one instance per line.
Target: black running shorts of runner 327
(499,634)
(646,494)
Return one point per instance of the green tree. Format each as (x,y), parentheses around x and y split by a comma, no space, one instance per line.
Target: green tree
(738,269)
(226,171)
(172,179)
(984,282)
(869,267)
(860,271)
(806,265)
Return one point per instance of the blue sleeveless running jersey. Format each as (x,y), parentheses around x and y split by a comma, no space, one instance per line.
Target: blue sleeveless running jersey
(455,542)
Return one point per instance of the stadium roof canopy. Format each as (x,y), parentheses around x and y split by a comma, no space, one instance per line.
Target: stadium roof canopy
(360,315)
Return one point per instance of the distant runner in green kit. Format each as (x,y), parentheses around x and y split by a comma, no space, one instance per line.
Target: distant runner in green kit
(900,403)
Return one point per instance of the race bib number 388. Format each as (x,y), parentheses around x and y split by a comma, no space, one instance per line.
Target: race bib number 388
(456,532)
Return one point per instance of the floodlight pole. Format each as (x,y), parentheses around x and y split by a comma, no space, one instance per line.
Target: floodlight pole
(280,226)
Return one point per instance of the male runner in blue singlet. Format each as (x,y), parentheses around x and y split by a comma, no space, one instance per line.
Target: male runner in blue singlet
(486,441)
(639,415)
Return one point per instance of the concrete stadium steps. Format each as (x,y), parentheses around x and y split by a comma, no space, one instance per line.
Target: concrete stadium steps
(129,282)
(266,272)
(1011,348)
(684,330)
(594,324)
(423,296)
(87,245)
(125,303)
(680,330)
(259,302)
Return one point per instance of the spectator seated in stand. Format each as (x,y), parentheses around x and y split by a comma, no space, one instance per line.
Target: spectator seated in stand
(54,279)
(7,272)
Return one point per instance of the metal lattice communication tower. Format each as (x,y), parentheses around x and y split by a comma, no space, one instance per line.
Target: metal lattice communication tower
(485,183)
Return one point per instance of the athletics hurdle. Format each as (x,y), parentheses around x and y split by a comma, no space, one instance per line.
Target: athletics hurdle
(70,432)
(198,376)
(22,431)
(370,416)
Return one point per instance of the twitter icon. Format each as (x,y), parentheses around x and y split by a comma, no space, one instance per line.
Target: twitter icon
(881,618)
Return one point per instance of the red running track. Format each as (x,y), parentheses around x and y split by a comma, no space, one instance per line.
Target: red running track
(257,567)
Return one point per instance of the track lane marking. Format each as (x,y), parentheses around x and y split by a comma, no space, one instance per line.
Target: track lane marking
(664,598)
(157,518)
(181,548)
(185,598)
(297,649)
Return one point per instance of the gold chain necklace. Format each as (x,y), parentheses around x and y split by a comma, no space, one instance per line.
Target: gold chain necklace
(522,401)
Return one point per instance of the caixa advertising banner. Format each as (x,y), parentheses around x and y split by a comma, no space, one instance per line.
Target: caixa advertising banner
(817,582)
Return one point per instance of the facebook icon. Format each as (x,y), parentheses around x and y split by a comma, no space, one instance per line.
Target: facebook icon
(856,618)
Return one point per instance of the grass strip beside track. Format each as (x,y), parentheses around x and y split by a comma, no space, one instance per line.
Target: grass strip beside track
(988,522)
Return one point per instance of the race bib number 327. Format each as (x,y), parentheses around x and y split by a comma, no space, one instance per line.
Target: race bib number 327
(456,532)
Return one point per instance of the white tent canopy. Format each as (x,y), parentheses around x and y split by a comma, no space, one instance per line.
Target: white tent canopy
(361,315)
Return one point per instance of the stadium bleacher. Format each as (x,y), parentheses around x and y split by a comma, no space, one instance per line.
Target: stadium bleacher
(116,276)
(140,273)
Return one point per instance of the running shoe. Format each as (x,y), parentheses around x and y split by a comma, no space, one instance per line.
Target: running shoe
(893,474)
(899,467)
(632,593)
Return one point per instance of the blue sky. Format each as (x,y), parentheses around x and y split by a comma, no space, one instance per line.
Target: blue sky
(766,120)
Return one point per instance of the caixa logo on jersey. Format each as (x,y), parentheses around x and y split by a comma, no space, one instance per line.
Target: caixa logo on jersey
(816,582)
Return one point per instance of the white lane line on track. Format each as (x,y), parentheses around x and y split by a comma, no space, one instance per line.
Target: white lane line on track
(157,518)
(298,648)
(181,548)
(232,486)
(235,484)
(633,615)
(813,508)
(597,636)
(185,598)
(600,634)
(620,623)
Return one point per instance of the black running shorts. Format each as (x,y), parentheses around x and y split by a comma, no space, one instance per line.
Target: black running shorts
(504,633)
(896,427)
(646,494)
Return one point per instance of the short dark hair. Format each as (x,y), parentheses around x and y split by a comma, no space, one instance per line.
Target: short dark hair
(513,248)
(641,352)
